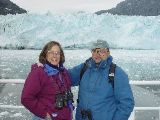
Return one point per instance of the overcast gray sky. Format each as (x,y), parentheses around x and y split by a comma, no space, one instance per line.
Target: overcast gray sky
(42,6)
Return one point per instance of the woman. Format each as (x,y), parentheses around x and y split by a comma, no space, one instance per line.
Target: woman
(47,89)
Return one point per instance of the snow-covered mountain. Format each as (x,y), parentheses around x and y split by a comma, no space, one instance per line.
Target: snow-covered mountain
(79,30)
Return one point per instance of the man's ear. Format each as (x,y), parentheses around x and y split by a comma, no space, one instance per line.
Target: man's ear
(108,53)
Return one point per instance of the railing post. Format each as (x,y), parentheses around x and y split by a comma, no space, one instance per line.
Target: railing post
(132,116)
(159,113)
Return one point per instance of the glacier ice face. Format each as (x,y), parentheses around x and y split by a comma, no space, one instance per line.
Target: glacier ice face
(79,29)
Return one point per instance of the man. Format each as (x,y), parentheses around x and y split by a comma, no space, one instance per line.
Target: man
(98,98)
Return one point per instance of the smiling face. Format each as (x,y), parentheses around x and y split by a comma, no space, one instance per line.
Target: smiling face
(53,55)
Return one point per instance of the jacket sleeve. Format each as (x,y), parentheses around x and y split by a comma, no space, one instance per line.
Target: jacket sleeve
(31,88)
(123,95)
(75,74)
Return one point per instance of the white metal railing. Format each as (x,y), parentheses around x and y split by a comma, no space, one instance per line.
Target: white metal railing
(21,81)
(16,81)
(11,106)
(132,117)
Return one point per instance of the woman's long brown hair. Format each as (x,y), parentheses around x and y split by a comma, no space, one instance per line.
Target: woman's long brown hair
(46,48)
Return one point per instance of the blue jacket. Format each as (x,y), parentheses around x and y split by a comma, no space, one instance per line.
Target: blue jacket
(98,95)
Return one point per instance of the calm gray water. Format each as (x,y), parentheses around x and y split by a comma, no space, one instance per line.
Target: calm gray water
(139,64)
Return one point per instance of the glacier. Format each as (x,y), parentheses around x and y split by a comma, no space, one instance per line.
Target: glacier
(79,29)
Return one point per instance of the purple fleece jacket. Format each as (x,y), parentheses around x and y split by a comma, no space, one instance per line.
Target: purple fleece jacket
(39,91)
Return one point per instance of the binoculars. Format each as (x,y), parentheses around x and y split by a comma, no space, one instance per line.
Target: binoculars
(86,114)
(64,99)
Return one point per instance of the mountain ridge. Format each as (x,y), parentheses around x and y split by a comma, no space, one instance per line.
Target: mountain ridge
(135,8)
(8,7)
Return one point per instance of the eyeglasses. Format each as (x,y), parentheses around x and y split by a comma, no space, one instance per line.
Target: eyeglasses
(100,50)
(56,53)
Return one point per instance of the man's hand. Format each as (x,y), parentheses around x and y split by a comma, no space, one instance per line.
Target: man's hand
(39,64)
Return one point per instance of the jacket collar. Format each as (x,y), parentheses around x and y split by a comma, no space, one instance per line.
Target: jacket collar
(52,69)
(102,64)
